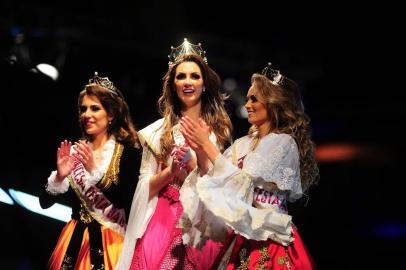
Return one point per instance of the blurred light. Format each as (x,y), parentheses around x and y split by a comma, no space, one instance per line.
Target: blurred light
(242,112)
(48,70)
(15,31)
(390,230)
(5,198)
(30,202)
(229,85)
(337,152)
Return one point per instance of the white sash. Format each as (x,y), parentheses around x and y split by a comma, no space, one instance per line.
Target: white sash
(95,202)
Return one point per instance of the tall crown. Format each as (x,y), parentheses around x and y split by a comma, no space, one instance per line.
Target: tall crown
(273,75)
(104,82)
(186,48)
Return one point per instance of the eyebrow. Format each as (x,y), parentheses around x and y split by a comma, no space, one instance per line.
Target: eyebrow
(194,72)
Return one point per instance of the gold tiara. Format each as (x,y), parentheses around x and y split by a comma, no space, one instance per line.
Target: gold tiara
(186,48)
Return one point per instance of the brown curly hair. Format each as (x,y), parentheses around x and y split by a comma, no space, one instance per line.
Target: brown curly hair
(212,109)
(286,110)
(121,126)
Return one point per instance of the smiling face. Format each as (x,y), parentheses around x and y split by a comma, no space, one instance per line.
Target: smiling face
(256,109)
(93,116)
(188,84)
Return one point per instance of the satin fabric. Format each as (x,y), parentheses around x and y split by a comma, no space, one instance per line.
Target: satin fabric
(161,246)
(112,244)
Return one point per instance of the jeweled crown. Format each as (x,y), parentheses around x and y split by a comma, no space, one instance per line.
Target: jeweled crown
(186,48)
(273,75)
(104,82)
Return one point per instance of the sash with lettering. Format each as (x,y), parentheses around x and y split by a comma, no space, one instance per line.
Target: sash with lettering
(95,202)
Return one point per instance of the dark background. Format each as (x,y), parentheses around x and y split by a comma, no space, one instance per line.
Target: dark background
(342,57)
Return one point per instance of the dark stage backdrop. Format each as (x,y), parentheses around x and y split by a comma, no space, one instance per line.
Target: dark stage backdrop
(353,219)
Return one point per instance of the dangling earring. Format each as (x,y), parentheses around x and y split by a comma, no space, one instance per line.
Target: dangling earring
(109,122)
(204,89)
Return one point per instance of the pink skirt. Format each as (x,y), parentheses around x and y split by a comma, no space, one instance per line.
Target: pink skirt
(161,246)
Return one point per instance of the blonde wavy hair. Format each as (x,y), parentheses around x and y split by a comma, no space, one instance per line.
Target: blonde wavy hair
(286,110)
(212,109)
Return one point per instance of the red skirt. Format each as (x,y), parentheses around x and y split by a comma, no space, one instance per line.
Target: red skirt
(251,254)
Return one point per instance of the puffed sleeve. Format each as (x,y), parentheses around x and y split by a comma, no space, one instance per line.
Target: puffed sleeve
(226,198)
(192,221)
(276,160)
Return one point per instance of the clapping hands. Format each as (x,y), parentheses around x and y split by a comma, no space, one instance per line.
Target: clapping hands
(182,158)
(85,154)
(65,160)
(196,133)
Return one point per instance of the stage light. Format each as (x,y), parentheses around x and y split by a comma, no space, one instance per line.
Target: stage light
(394,230)
(5,198)
(30,202)
(48,70)
(242,112)
(230,85)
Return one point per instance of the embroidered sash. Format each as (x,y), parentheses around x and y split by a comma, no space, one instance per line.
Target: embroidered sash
(93,199)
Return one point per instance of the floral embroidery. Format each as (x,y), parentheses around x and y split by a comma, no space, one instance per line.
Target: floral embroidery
(84,215)
(263,259)
(67,263)
(244,259)
(279,167)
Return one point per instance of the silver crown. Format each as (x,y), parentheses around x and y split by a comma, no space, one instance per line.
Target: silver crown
(104,82)
(186,48)
(273,75)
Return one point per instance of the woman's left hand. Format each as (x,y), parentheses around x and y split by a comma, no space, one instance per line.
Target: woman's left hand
(185,157)
(85,155)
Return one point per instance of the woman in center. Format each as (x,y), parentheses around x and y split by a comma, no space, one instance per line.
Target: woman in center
(153,240)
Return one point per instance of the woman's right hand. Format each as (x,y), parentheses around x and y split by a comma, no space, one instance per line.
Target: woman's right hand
(197,137)
(64,161)
(196,133)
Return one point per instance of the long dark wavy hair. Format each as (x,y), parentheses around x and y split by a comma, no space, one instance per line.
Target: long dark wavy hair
(286,111)
(121,126)
(212,101)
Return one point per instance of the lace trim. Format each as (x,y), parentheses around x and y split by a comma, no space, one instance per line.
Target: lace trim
(283,177)
(54,188)
(171,192)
